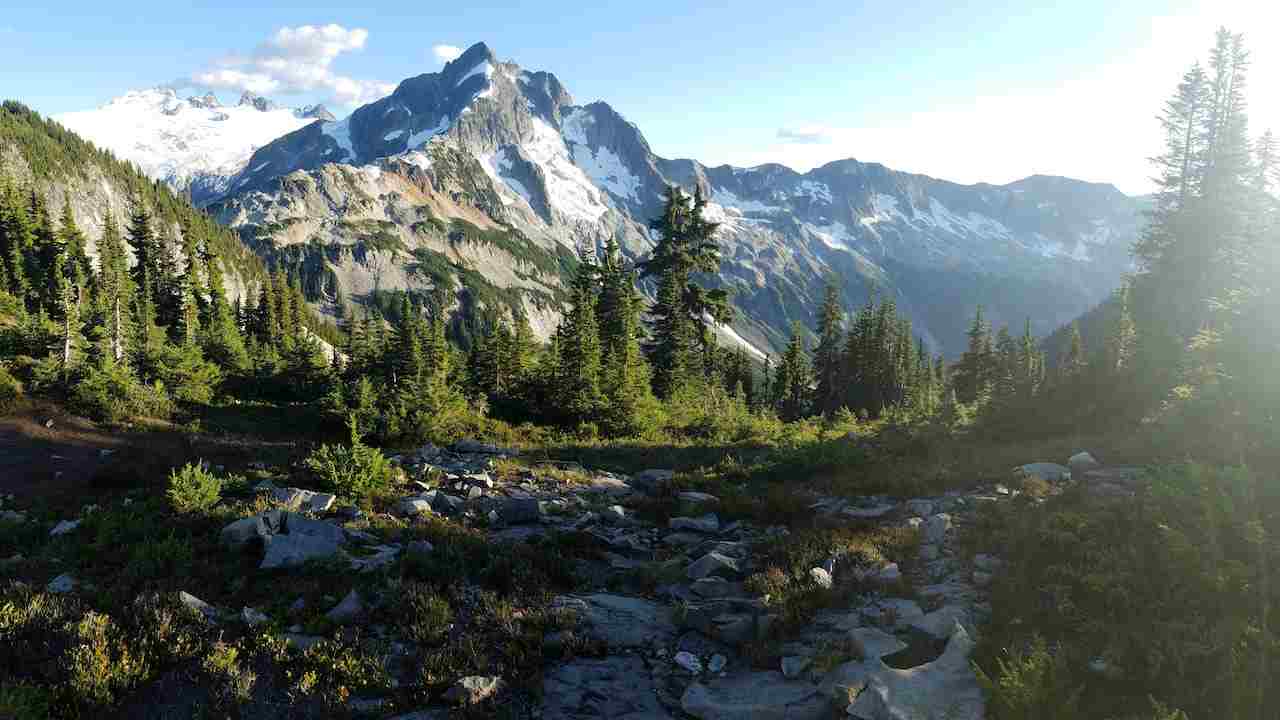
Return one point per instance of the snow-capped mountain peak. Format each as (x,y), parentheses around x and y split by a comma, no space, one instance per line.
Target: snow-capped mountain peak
(194,143)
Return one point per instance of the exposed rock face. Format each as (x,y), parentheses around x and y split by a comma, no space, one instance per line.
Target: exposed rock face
(509,148)
(617,687)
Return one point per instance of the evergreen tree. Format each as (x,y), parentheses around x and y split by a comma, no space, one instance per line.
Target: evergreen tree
(578,376)
(974,372)
(1074,361)
(827,360)
(115,289)
(792,383)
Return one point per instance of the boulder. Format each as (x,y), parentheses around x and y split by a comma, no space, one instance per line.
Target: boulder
(351,608)
(618,687)
(711,587)
(941,623)
(253,618)
(64,527)
(415,505)
(708,523)
(713,563)
(689,662)
(1049,472)
(304,539)
(518,511)
(1081,463)
(889,574)
(873,644)
(936,527)
(758,695)
(254,528)
(13,516)
(191,601)
(303,500)
(945,689)
(614,514)
(618,620)
(873,512)
(821,577)
(920,508)
(652,481)
(793,665)
(420,547)
(62,584)
(697,498)
(382,556)
(473,690)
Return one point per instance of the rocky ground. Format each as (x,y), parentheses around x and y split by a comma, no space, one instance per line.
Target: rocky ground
(679,609)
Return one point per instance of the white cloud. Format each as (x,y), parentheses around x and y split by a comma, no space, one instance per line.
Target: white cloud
(446,53)
(1101,126)
(296,60)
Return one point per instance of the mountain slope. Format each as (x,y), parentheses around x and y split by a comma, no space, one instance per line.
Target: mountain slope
(509,151)
(194,143)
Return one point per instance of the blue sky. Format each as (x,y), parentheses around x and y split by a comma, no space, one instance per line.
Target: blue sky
(968,94)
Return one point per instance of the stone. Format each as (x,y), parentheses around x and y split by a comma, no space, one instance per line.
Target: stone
(303,500)
(383,555)
(304,539)
(64,527)
(473,690)
(708,523)
(689,662)
(894,612)
(889,574)
(943,689)
(420,547)
(618,687)
(253,618)
(191,601)
(62,584)
(1081,463)
(758,695)
(242,532)
(821,577)
(614,514)
(618,620)
(682,539)
(874,512)
(844,681)
(873,644)
(929,553)
(412,506)
(1049,472)
(351,608)
(941,623)
(713,563)
(711,587)
(697,498)
(936,527)
(447,504)
(13,516)
(651,481)
(517,511)
(920,508)
(793,665)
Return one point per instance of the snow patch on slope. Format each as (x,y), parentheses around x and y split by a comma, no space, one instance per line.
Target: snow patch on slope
(569,190)
(422,136)
(341,133)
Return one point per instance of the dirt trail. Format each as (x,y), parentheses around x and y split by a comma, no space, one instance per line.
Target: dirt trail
(41,461)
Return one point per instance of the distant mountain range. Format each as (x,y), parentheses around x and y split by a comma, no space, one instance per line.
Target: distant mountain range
(483,178)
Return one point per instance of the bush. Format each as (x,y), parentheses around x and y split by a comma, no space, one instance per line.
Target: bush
(108,391)
(10,389)
(427,614)
(355,469)
(193,489)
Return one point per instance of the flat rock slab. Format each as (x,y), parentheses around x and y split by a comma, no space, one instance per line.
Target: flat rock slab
(755,696)
(1049,472)
(619,687)
(619,620)
(944,689)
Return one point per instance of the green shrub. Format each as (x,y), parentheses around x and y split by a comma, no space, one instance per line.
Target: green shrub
(193,489)
(10,389)
(232,682)
(108,391)
(426,612)
(101,665)
(354,469)
(1031,685)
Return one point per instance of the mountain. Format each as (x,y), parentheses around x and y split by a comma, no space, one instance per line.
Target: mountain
(41,156)
(193,143)
(489,175)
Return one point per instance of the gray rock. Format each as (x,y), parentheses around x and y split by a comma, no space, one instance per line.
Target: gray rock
(717,663)
(259,527)
(873,644)
(420,547)
(1081,463)
(689,662)
(253,618)
(351,608)
(64,527)
(618,687)
(941,623)
(614,514)
(448,504)
(711,587)
(474,447)
(889,574)
(1049,472)
(793,665)
(944,689)
(303,539)
(62,584)
(651,481)
(303,500)
(416,505)
(713,563)
(708,523)
(473,690)
(935,529)
(697,498)
(191,601)
(618,620)
(13,516)
(383,555)
(758,695)
(821,577)
(517,511)
(874,512)
(895,612)
(920,508)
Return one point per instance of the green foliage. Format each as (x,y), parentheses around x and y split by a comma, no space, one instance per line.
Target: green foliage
(109,391)
(193,489)
(1031,685)
(354,469)
(10,389)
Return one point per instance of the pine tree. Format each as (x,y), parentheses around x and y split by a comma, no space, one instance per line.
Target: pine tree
(223,342)
(1074,361)
(974,371)
(19,244)
(1121,334)
(792,384)
(115,288)
(827,361)
(578,375)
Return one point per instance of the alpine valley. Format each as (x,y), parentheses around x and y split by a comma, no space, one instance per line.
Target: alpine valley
(484,181)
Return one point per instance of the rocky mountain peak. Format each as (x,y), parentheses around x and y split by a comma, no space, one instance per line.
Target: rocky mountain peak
(315,112)
(258,102)
(208,100)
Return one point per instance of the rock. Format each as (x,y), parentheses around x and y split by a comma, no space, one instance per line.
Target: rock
(617,687)
(708,523)
(62,584)
(205,609)
(987,563)
(893,612)
(303,500)
(614,514)
(1049,472)
(448,504)
(821,577)
(420,547)
(253,618)
(689,662)
(473,690)
(13,516)
(873,644)
(1081,463)
(382,556)
(366,706)
(889,574)
(64,527)
(351,608)
(697,498)
(793,665)
(255,528)
(981,579)
(711,587)
(941,623)
(473,447)
(716,663)
(920,508)
(936,527)
(651,481)
(682,539)
(416,505)
(874,512)
(713,563)
(618,620)
(517,511)
(945,689)
(844,682)
(758,695)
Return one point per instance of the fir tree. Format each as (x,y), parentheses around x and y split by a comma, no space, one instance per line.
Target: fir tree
(827,361)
